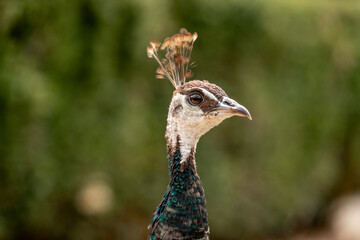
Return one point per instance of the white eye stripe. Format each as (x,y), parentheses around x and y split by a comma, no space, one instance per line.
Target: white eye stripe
(209,94)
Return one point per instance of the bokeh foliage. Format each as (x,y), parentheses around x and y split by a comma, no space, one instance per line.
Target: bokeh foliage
(79,101)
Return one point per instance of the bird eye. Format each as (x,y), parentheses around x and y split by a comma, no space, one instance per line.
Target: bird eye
(195,99)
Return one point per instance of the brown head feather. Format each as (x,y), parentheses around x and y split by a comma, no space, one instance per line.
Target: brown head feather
(217,91)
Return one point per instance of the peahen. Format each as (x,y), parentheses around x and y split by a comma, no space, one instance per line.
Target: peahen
(195,108)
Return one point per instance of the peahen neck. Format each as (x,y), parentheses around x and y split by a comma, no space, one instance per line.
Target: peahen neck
(182,213)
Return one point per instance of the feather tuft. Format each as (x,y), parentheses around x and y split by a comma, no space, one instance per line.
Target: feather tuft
(175,64)
(150,51)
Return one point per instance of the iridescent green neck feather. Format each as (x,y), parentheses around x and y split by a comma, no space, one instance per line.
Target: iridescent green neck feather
(182,213)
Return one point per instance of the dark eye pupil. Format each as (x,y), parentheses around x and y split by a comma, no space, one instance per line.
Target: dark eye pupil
(196,99)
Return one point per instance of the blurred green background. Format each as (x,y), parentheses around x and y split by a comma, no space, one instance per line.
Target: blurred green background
(82,117)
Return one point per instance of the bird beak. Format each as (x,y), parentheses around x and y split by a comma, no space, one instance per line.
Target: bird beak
(231,106)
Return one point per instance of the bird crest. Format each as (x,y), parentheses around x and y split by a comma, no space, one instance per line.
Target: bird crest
(175,65)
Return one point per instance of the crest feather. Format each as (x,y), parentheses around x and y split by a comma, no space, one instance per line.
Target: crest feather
(175,65)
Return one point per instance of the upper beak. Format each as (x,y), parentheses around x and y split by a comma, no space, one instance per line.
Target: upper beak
(231,106)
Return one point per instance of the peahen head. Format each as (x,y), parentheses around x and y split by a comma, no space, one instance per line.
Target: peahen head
(196,107)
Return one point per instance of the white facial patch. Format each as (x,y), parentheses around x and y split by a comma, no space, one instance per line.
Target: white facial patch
(189,123)
(229,102)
